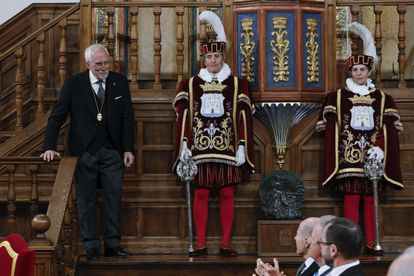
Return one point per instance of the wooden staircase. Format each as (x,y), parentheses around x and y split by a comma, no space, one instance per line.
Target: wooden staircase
(212,265)
(44,45)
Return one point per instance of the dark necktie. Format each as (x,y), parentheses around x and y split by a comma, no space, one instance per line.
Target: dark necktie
(326,272)
(101,91)
(301,268)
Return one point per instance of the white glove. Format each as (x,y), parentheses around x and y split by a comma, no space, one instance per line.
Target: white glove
(184,151)
(376,152)
(240,156)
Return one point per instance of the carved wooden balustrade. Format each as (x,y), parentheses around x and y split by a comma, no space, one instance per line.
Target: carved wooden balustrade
(28,181)
(28,94)
(28,187)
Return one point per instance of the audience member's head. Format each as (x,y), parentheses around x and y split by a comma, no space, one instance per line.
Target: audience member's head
(303,233)
(314,246)
(403,264)
(341,242)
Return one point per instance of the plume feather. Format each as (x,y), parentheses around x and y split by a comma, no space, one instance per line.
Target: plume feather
(367,39)
(212,19)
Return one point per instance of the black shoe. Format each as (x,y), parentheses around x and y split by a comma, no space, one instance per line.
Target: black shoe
(92,253)
(227,251)
(200,250)
(370,250)
(115,252)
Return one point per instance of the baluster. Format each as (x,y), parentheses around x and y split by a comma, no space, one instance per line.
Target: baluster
(63,60)
(157,47)
(19,89)
(355,13)
(401,46)
(41,75)
(378,43)
(180,43)
(134,49)
(202,36)
(67,233)
(34,192)
(110,37)
(11,199)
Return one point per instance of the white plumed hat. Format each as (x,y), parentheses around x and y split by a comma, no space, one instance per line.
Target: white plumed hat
(369,58)
(219,45)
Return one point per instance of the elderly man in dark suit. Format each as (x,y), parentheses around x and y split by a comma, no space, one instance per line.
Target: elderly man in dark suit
(102,137)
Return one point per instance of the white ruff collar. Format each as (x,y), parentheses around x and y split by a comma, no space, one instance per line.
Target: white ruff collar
(359,89)
(224,73)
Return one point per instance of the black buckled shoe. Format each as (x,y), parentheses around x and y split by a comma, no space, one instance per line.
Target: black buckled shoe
(370,250)
(227,251)
(115,252)
(91,253)
(200,250)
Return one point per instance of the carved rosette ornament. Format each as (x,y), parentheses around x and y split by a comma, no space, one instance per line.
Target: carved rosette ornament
(247,50)
(280,48)
(312,49)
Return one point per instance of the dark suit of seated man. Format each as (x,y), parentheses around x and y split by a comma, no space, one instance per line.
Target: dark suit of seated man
(102,137)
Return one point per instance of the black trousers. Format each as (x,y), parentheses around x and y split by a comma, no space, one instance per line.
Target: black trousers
(106,167)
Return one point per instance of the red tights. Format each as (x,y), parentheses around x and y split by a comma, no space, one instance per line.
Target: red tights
(200,211)
(351,210)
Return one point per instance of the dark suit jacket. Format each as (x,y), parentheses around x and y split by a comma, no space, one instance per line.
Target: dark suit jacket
(77,100)
(310,270)
(354,271)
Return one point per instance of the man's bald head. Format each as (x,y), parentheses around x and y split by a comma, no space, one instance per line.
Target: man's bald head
(403,264)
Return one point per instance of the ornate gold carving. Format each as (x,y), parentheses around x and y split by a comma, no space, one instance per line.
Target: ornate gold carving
(247,50)
(213,86)
(312,48)
(280,47)
(362,100)
(212,137)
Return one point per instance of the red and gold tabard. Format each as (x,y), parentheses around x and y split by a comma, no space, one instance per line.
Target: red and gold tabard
(215,118)
(353,124)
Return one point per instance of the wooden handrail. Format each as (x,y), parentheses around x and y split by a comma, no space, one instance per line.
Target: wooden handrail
(151,4)
(371,3)
(42,29)
(60,197)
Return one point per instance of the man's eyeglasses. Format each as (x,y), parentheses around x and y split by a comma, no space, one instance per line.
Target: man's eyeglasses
(100,64)
(324,243)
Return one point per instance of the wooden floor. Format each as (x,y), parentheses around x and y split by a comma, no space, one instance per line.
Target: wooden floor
(206,265)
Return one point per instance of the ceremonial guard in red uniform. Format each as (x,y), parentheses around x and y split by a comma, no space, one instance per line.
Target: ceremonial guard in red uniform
(360,121)
(214,125)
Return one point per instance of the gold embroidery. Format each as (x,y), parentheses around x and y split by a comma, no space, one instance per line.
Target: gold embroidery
(361,100)
(213,86)
(355,151)
(210,136)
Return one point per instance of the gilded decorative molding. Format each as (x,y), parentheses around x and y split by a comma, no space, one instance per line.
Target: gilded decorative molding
(312,48)
(247,50)
(280,47)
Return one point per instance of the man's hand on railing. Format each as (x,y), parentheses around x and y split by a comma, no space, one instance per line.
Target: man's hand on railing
(49,155)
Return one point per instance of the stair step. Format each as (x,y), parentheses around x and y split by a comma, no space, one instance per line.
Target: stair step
(157,265)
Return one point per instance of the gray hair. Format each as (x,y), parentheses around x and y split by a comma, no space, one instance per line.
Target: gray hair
(325,219)
(92,49)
